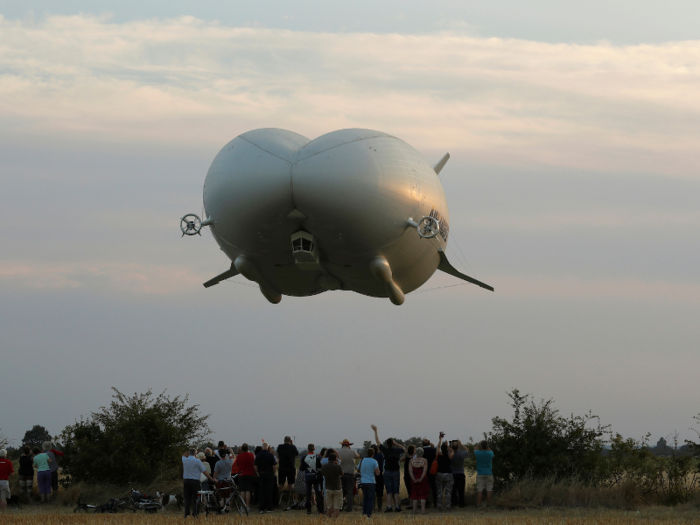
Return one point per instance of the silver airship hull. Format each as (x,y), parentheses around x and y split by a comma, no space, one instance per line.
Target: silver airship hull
(301,217)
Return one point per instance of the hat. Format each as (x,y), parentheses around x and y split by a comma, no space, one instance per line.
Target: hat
(201,456)
(346,442)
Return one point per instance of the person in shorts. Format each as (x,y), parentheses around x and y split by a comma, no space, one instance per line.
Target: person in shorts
(245,464)
(286,470)
(54,455)
(26,471)
(484,472)
(332,474)
(392,452)
(6,470)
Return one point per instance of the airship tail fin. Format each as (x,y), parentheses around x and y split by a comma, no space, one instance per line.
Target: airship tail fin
(441,163)
(446,267)
(231,272)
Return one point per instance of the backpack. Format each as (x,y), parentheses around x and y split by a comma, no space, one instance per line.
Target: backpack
(310,461)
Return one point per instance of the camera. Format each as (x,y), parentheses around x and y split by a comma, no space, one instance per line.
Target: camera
(442,434)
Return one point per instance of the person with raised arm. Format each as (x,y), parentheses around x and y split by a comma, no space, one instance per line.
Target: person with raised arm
(392,471)
(444,479)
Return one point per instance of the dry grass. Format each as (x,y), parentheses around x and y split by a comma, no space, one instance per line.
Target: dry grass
(475,518)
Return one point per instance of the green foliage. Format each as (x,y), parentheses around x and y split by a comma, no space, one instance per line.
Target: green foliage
(675,478)
(415,441)
(133,439)
(540,443)
(627,460)
(36,436)
(694,447)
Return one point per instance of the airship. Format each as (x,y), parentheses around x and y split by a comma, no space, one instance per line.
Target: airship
(354,209)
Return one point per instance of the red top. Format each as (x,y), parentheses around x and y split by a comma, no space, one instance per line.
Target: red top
(6,469)
(57,452)
(245,463)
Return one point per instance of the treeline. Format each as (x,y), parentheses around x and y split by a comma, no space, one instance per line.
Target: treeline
(138,438)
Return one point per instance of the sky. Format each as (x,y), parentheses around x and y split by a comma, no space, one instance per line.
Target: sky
(573,187)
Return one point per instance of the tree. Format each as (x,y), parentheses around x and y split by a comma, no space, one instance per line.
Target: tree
(36,436)
(415,441)
(133,439)
(3,440)
(694,447)
(538,442)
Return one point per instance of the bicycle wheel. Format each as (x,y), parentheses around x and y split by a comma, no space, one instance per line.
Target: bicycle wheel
(240,505)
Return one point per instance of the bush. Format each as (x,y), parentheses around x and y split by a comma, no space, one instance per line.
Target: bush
(135,439)
(539,443)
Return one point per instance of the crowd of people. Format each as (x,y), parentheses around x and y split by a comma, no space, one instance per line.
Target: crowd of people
(43,459)
(330,479)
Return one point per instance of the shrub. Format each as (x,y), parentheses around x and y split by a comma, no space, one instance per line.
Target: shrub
(539,443)
(133,440)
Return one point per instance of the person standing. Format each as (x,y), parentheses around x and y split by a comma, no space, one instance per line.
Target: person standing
(222,468)
(54,455)
(245,464)
(347,463)
(392,470)
(312,468)
(203,481)
(211,458)
(287,453)
(418,472)
(430,453)
(191,469)
(6,470)
(332,475)
(222,474)
(43,473)
(443,478)
(460,453)
(484,472)
(26,471)
(266,469)
(406,459)
(379,489)
(369,469)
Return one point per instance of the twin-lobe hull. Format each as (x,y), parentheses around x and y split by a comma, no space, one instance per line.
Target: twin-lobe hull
(350,192)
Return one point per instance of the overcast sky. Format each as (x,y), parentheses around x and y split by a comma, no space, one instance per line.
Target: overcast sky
(573,189)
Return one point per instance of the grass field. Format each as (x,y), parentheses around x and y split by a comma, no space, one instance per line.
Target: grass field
(543,517)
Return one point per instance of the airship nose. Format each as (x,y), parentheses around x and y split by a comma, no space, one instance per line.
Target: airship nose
(247,192)
(353,190)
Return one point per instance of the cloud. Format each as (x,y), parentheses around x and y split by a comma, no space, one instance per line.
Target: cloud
(115,278)
(190,82)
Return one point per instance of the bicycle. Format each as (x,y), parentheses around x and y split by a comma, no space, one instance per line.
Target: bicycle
(112,507)
(217,501)
(145,503)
